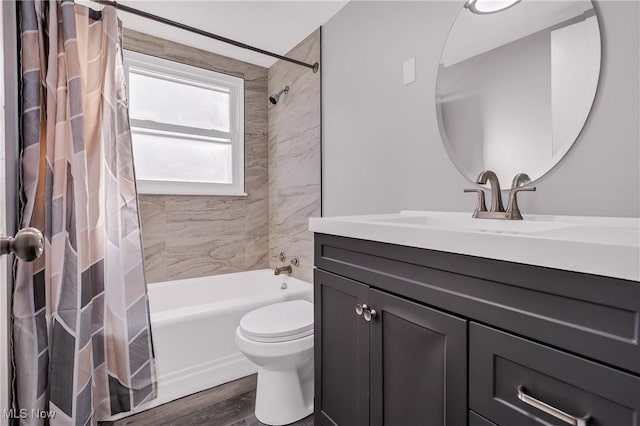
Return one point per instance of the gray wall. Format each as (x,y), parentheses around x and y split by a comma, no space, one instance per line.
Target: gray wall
(382,150)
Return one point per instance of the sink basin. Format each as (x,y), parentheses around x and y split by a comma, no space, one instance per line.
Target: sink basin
(464,221)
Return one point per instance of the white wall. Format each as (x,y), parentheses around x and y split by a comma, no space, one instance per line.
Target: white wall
(382,150)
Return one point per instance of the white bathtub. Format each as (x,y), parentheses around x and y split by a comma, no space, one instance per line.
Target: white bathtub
(193,322)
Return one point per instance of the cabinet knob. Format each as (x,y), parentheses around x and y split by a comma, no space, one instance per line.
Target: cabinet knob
(360,308)
(369,314)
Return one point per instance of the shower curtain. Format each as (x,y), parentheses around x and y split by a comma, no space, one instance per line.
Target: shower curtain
(81,333)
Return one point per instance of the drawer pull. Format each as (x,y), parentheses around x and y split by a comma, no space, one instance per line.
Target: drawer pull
(552,411)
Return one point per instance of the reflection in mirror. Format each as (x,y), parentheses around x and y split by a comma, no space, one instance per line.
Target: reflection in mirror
(515,87)
(489,6)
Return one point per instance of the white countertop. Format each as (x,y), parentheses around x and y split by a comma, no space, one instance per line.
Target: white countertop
(605,246)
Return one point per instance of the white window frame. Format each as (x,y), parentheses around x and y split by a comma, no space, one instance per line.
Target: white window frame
(199,77)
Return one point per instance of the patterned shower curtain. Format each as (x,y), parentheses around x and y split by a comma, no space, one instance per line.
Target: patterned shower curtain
(81,333)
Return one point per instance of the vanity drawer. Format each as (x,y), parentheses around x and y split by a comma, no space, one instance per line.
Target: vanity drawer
(502,365)
(477,420)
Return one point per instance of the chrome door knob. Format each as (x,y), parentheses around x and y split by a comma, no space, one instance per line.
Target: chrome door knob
(28,244)
(361,308)
(369,314)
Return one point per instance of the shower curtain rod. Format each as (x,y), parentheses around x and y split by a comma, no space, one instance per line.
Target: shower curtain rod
(162,20)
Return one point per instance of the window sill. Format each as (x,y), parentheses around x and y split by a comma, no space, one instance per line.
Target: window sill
(146,187)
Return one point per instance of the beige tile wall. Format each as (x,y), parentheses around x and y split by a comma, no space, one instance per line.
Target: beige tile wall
(294,156)
(190,236)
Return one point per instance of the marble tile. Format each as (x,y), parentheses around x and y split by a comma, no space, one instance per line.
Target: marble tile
(189,236)
(294,157)
(139,42)
(153,225)
(256,156)
(208,60)
(256,251)
(186,208)
(296,160)
(154,262)
(152,215)
(220,256)
(287,232)
(257,86)
(256,219)
(289,204)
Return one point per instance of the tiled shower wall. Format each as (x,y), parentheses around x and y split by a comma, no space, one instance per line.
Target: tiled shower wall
(294,157)
(189,236)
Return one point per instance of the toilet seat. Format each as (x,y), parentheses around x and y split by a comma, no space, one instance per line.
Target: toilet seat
(280,322)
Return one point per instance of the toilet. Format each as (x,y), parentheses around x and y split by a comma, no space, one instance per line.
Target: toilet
(278,338)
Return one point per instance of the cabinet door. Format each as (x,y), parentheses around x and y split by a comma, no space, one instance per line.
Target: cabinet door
(418,364)
(341,352)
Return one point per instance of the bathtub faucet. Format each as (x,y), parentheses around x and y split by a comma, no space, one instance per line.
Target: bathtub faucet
(282,270)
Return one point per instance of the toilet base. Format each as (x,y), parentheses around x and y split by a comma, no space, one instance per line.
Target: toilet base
(284,396)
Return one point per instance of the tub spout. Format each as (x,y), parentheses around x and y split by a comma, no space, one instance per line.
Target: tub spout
(282,270)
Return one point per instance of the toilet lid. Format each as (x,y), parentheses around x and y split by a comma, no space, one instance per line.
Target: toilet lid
(275,322)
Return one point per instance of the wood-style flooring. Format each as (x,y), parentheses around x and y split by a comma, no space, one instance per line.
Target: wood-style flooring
(231,404)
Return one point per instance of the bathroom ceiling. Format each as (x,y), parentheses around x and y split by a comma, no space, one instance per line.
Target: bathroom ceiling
(276,26)
(472,38)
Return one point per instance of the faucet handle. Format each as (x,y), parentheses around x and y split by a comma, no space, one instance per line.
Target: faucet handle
(512,207)
(520,180)
(481,206)
(282,256)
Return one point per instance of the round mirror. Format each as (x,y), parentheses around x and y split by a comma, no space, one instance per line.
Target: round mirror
(515,86)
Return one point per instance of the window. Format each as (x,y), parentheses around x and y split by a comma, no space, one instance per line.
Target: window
(187,126)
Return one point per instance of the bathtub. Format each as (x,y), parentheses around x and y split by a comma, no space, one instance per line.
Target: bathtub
(193,322)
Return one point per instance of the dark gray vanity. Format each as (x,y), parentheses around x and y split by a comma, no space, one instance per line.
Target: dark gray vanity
(453,339)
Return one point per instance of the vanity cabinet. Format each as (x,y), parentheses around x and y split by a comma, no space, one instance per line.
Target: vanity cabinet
(462,340)
(395,363)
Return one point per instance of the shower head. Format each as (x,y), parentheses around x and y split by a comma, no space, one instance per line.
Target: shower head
(275,98)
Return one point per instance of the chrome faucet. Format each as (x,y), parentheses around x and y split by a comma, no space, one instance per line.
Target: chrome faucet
(282,270)
(497,210)
(494,183)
